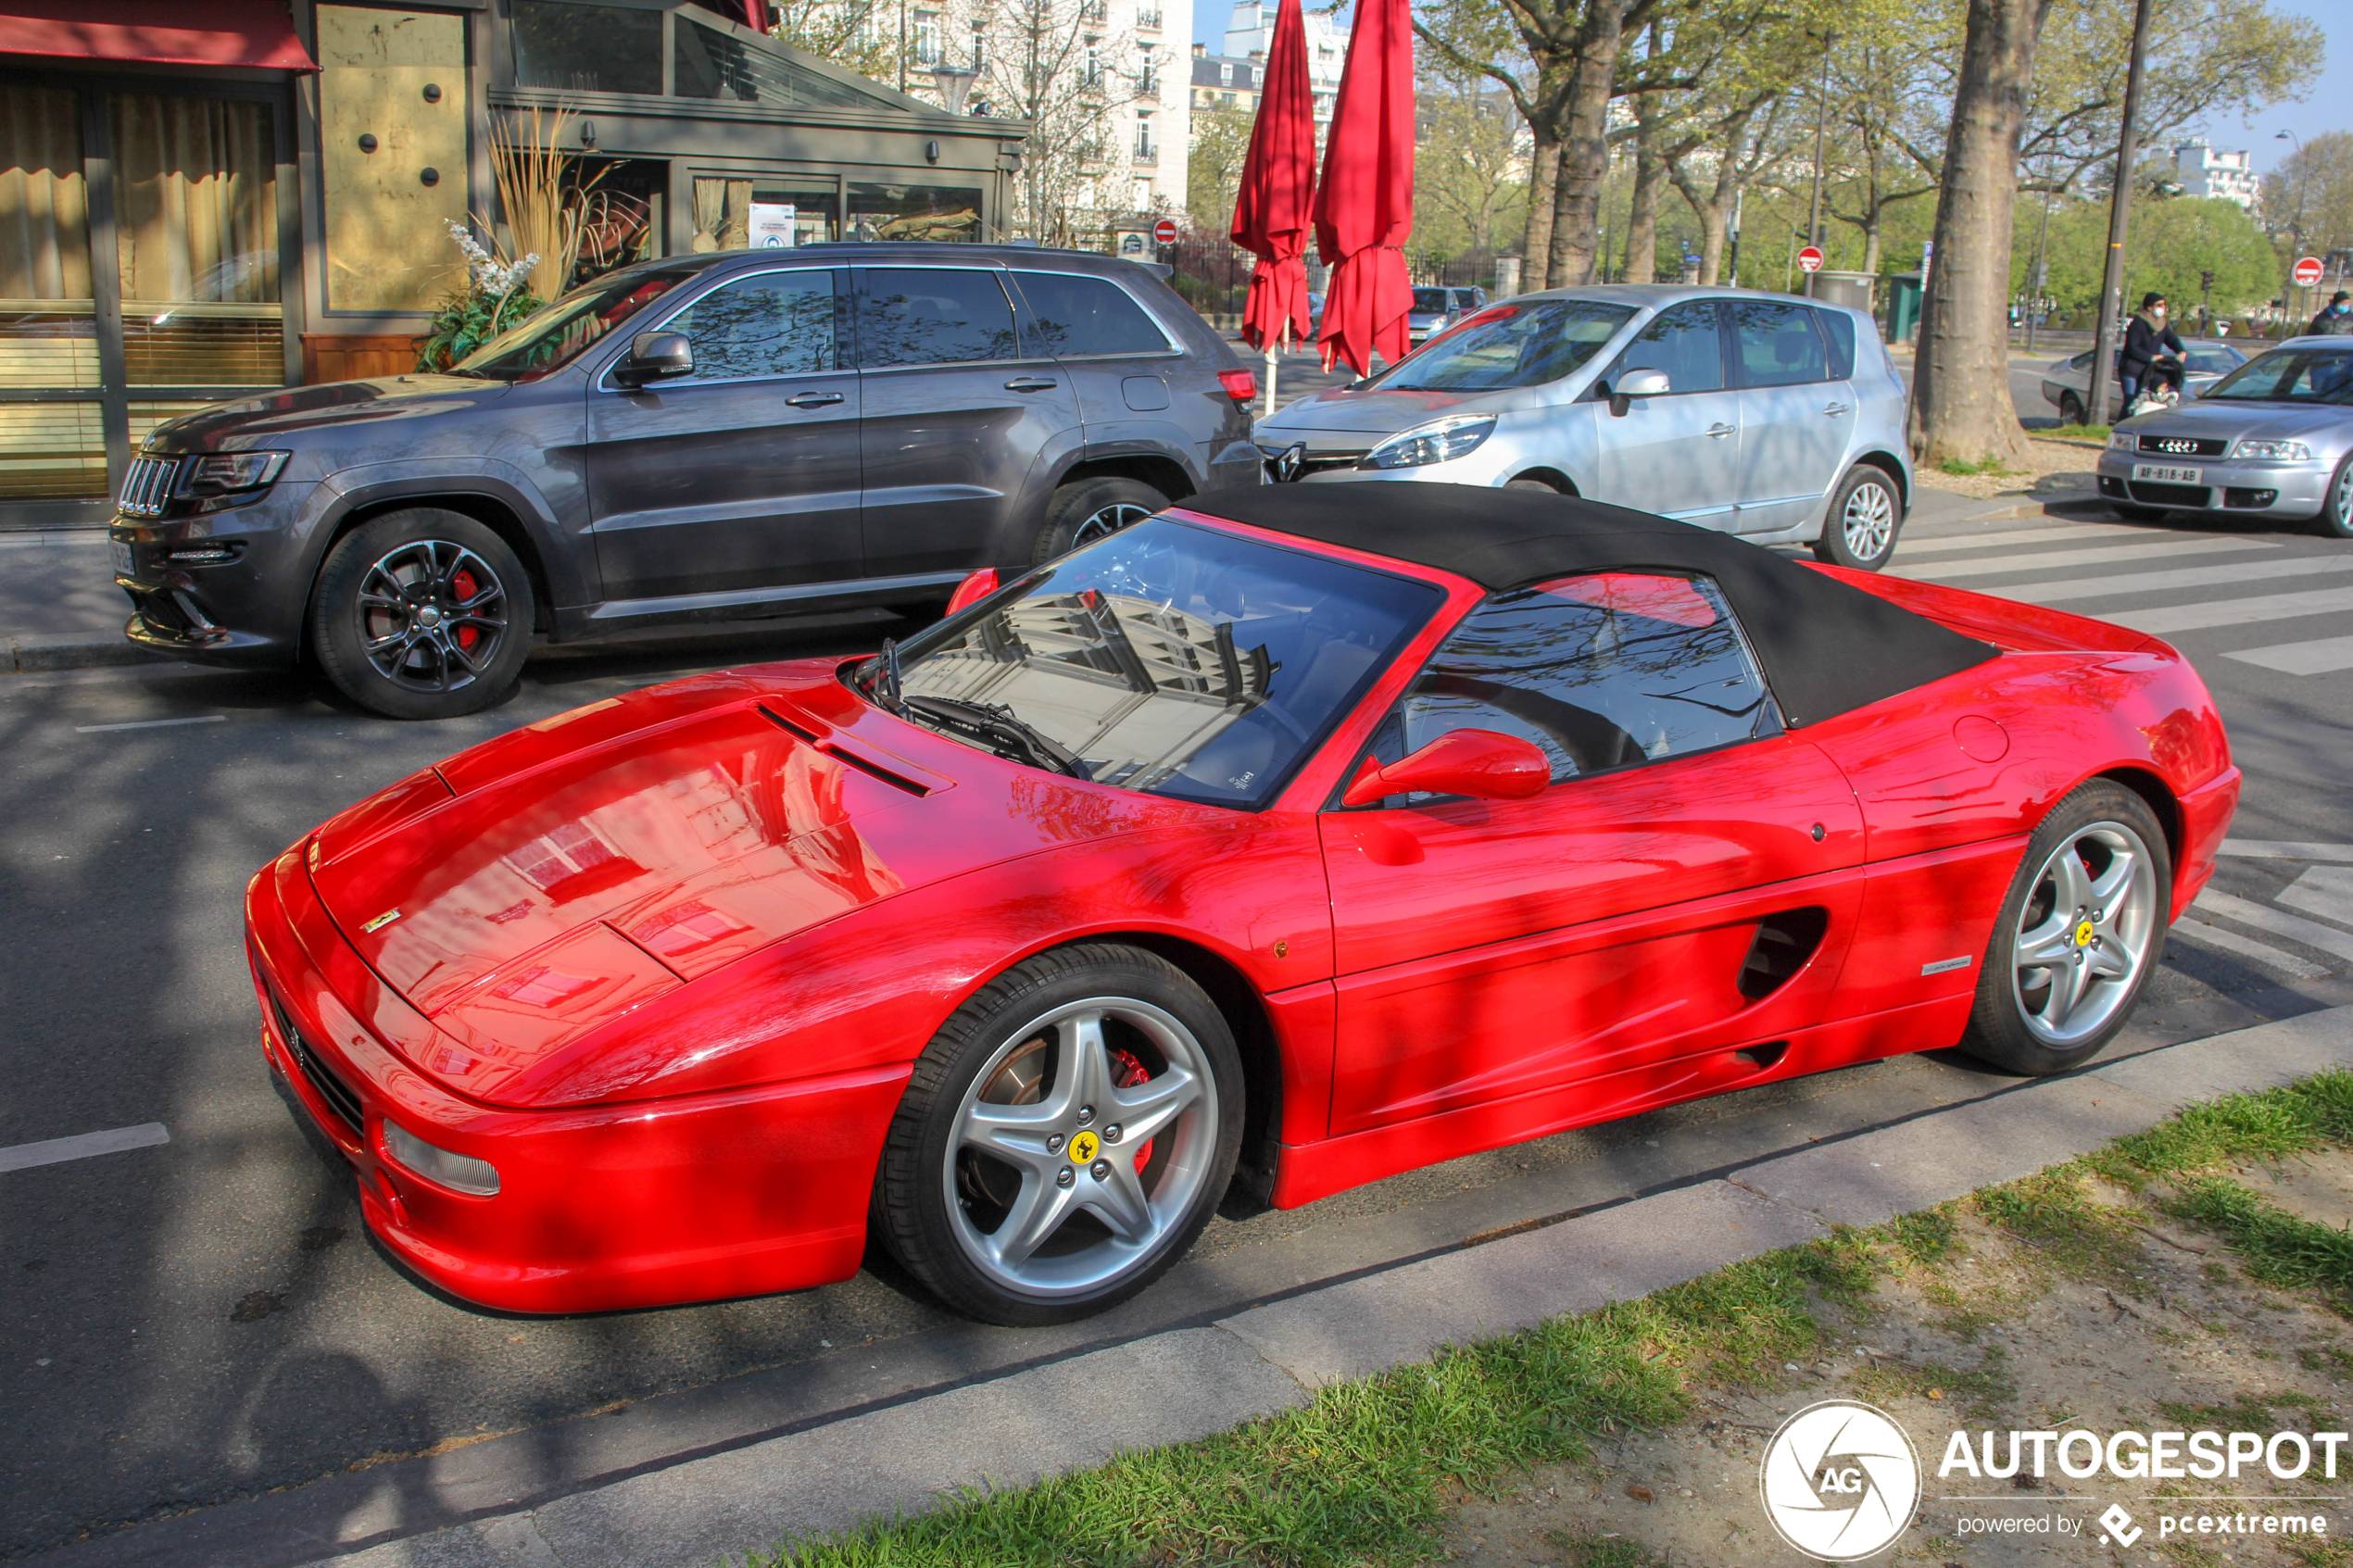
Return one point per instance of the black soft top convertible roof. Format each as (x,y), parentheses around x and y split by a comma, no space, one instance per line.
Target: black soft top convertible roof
(1828,647)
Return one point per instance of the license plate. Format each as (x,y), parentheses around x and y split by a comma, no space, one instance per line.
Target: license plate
(118,556)
(2162,473)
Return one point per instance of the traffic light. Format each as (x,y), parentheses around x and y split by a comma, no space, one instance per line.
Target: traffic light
(2205,281)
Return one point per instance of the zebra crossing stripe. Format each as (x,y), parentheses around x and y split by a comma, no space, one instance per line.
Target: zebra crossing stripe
(2187,577)
(2047,535)
(2283,849)
(2248,948)
(2315,657)
(2234,612)
(2099,555)
(2279,922)
(2326,891)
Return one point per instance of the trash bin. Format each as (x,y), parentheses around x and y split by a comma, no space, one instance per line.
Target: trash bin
(1850,289)
(1904,305)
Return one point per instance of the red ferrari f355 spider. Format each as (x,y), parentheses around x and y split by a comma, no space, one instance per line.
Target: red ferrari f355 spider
(1292,838)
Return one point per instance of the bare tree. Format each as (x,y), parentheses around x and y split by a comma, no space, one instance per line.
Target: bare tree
(1741,143)
(1049,62)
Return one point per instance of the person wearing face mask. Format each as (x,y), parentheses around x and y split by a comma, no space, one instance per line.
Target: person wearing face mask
(2150,345)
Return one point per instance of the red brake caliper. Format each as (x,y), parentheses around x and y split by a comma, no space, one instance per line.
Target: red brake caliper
(463,585)
(1126,1073)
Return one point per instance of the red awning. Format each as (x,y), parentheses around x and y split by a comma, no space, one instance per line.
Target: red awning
(170,33)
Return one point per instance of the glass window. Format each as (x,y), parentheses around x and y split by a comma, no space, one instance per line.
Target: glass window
(1776,344)
(1684,341)
(740,215)
(708,63)
(45,211)
(913,212)
(1599,672)
(586,48)
(2290,375)
(2205,359)
(932,316)
(1510,345)
(1429,302)
(767,324)
(1838,332)
(1077,315)
(1168,658)
(560,333)
(196,240)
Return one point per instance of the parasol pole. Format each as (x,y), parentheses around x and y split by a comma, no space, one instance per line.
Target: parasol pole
(1280,337)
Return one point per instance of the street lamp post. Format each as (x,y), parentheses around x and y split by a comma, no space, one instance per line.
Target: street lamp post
(953,82)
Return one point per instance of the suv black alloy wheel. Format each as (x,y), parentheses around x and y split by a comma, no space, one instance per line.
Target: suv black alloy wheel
(422,614)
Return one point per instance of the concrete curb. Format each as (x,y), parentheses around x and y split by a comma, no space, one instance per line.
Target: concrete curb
(25,653)
(1189,1383)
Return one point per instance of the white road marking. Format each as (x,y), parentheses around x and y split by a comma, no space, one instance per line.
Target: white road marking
(2326,891)
(148,724)
(2249,949)
(81,1145)
(2047,535)
(2279,922)
(2098,556)
(2283,849)
(2316,658)
(2234,612)
(2187,577)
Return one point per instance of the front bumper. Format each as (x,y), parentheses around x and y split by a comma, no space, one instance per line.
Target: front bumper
(2224,485)
(695,1197)
(244,610)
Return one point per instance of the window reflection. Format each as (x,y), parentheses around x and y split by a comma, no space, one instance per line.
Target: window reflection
(769,324)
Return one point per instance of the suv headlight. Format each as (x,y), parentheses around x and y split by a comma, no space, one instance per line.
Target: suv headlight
(2282,451)
(1439,440)
(218,474)
(2124,439)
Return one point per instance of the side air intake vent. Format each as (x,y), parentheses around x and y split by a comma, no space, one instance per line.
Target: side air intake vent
(1784,942)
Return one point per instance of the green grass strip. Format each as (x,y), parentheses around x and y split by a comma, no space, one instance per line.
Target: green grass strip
(2275,1245)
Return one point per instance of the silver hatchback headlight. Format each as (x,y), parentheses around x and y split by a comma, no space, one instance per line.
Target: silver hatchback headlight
(1439,440)
(2278,451)
(2124,439)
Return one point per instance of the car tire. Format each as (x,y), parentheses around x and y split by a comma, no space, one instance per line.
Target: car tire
(1866,514)
(994,1130)
(2336,507)
(1089,510)
(2087,911)
(1535,484)
(422,614)
(2071,409)
(2132,513)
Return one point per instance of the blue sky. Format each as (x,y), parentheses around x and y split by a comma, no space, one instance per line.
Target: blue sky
(2328,106)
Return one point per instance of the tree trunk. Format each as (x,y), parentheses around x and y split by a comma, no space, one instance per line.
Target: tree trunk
(1642,222)
(1584,153)
(1961,406)
(1536,247)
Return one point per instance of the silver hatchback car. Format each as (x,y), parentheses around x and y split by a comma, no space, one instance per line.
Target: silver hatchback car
(2274,437)
(1778,418)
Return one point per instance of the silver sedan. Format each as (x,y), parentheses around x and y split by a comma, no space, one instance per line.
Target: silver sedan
(2067,385)
(2274,437)
(1775,417)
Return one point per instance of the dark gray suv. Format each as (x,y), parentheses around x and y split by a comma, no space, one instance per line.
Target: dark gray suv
(712,437)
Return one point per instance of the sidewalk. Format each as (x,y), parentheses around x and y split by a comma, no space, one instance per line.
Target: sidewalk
(902,1454)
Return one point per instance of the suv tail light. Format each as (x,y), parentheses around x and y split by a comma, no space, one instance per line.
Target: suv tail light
(1240,385)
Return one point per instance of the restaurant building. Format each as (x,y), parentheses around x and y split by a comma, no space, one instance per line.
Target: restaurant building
(200,199)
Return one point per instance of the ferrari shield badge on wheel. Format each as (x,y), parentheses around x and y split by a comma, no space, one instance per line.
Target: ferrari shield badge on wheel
(1840,1481)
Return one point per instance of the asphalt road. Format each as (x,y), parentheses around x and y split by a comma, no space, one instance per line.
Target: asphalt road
(203,1319)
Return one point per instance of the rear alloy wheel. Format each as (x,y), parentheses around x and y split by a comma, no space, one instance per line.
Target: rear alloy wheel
(1093,510)
(1063,1138)
(2336,510)
(423,614)
(1864,515)
(2071,409)
(2083,927)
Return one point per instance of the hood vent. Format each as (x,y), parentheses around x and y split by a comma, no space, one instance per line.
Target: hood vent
(873,761)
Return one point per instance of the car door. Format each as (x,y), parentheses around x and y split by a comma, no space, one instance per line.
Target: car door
(958,411)
(1677,453)
(740,479)
(1682,888)
(1119,360)
(1797,420)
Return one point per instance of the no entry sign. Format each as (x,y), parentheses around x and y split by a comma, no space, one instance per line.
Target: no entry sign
(1809,259)
(1164,233)
(2308,272)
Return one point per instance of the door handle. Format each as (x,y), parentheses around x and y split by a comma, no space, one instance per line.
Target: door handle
(1721,431)
(812,399)
(1835,409)
(1030,383)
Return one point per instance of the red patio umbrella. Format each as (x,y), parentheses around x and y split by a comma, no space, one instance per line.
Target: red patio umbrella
(1271,211)
(1365,207)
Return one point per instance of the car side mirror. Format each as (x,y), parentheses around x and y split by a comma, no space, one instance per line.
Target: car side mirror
(1633,384)
(653,356)
(1484,764)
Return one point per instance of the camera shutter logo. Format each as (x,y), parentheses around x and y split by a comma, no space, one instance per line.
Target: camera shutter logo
(1840,1481)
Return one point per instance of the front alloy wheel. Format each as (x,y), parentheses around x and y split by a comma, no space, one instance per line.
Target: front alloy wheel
(2336,511)
(422,614)
(433,616)
(1063,1138)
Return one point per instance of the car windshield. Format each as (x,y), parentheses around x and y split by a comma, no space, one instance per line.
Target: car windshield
(1510,345)
(1169,659)
(2290,375)
(557,335)
(1429,302)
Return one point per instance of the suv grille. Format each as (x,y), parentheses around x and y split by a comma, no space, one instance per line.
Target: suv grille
(2184,446)
(147,486)
(334,1090)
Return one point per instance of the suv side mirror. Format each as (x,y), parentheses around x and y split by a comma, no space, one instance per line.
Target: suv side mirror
(655,355)
(1633,384)
(1485,764)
